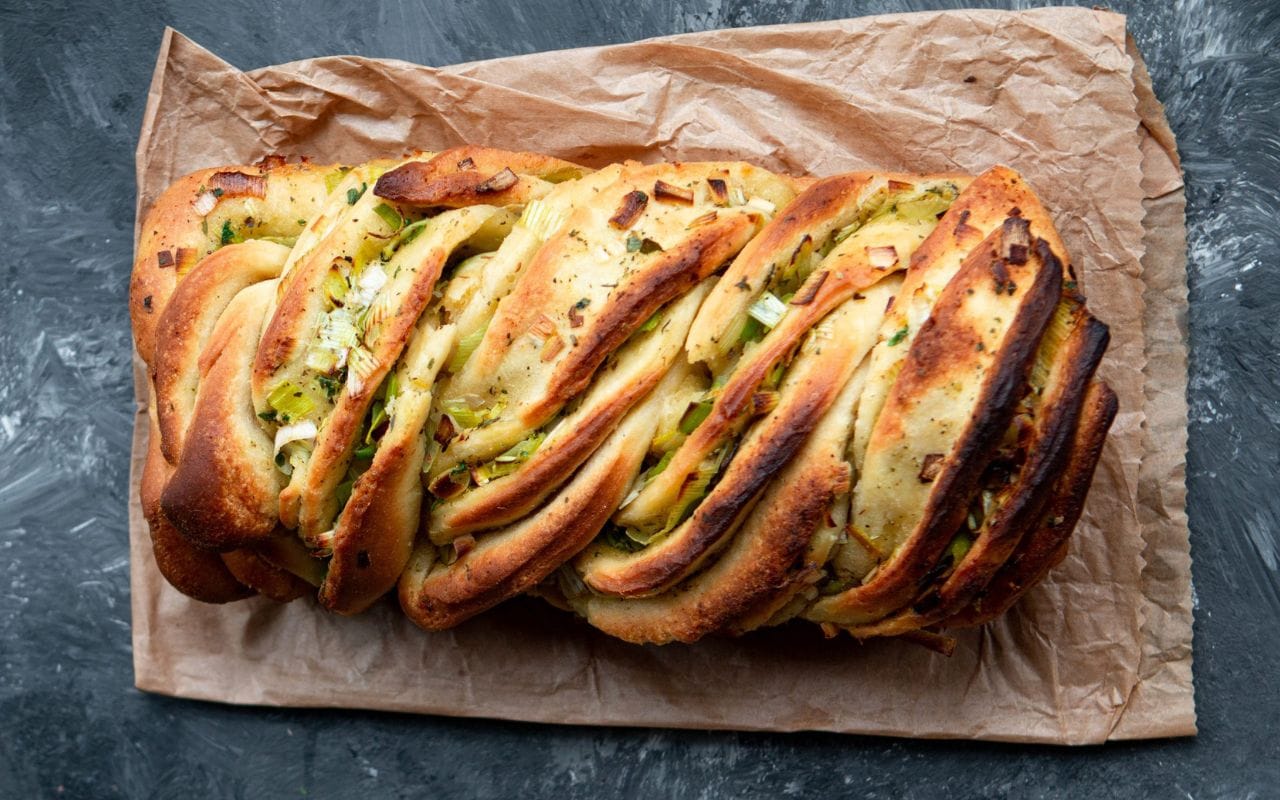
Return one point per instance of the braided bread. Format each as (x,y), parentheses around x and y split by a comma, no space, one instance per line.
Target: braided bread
(676,399)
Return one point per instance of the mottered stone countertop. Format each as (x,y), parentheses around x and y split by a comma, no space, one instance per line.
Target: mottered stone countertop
(72,91)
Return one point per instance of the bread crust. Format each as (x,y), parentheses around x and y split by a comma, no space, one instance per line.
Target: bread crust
(944,351)
(223,493)
(1045,546)
(582,372)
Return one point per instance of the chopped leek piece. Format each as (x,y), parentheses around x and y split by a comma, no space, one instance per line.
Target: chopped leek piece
(692,492)
(522,451)
(389,215)
(494,469)
(335,287)
(768,310)
(959,547)
(338,330)
(540,220)
(619,539)
(329,385)
(657,469)
(695,415)
(321,359)
(229,236)
(752,331)
(652,322)
(668,440)
(289,402)
(393,387)
(366,451)
(406,235)
(355,194)
(847,231)
(926,206)
(466,346)
(898,336)
(377,418)
(361,366)
(462,414)
(343,492)
(332,180)
(297,432)
(774,378)
(372,278)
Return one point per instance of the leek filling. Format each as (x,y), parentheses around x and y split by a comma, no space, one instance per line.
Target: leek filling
(377,420)
(698,484)
(785,278)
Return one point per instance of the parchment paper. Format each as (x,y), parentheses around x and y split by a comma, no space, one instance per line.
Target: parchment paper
(1101,650)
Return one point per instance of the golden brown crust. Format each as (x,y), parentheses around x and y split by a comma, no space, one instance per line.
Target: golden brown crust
(462,322)
(1020,504)
(508,562)
(188,321)
(195,572)
(223,494)
(944,351)
(466,176)
(176,233)
(762,561)
(256,572)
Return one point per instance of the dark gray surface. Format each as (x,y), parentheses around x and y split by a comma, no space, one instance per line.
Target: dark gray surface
(73,88)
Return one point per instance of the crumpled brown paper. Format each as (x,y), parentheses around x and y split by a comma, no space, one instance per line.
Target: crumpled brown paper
(1101,650)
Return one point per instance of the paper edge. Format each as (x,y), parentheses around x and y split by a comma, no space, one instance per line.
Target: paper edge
(1158,706)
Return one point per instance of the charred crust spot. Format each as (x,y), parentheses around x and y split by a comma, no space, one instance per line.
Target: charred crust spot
(633,204)
(931,467)
(164,258)
(719,191)
(467,163)
(498,182)
(810,290)
(238,184)
(146,303)
(362,559)
(672,194)
(970,79)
